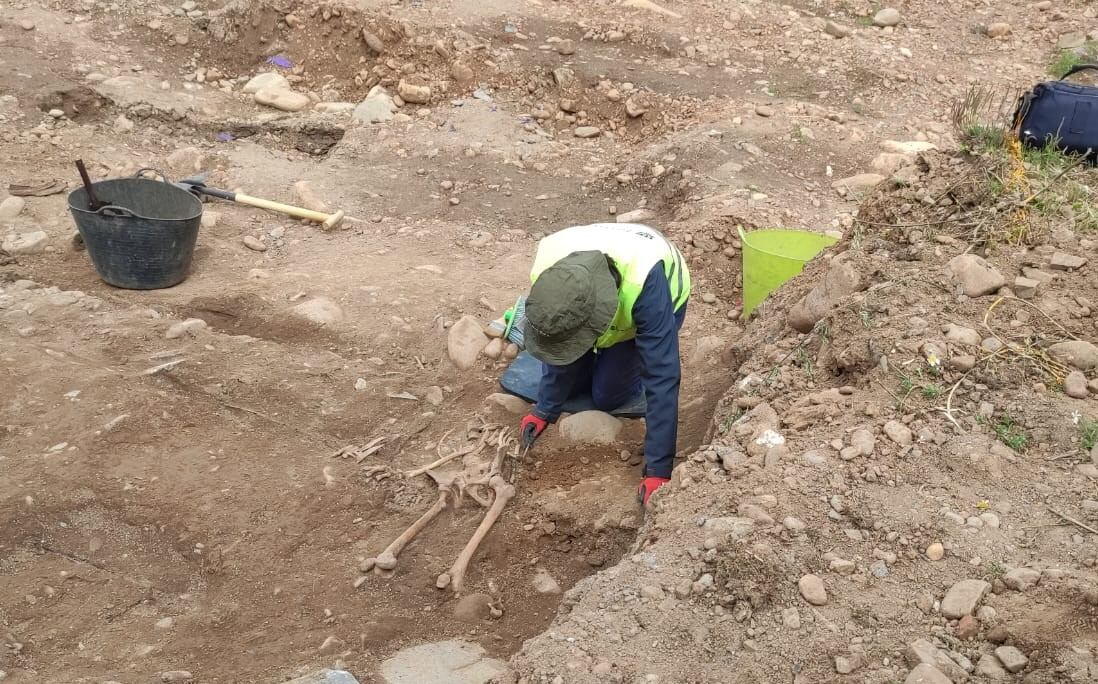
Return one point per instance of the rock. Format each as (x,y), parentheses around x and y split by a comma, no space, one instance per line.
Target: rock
(165,623)
(922,652)
(307,197)
(325,676)
(886,17)
(373,42)
(926,674)
(636,216)
(376,108)
(963,335)
(334,107)
(587,132)
(1065,262)
(1025,288)
(11,207)
(1075,385)
(990,668)
(967,628)
(26,25)
(813,590)
(255,244)
(734,527)
(566,47)
(282,98)
(935,551)
(1011,658)
(510,403)
(465,342)
(899,433)
(754,512)
(794,525)
(908,148)
(1076,353)
(186,160)
(494,348)
(510,351)
(320,310)
(268,80)
(841,280)
(462,73)
(843,567)
(634,108)
(412,93)
(963,597)
(26,243)
(187,327)
(846,664)
(122,124)
(176,676)
(976,276)
(1021,579)
(888,163)
(544,583)
(434,395)
(765,111)
(858,185)
(964,362)
(1072,40)
(837,30)
(998,29)
(791,618)
(453,662)
(591,427)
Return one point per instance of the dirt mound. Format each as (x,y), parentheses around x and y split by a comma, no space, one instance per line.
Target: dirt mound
(914,438)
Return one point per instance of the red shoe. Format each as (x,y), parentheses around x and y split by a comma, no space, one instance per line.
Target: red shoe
(648,487)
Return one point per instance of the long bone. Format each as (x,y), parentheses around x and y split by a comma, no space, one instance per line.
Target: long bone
(455,578)
(386,561)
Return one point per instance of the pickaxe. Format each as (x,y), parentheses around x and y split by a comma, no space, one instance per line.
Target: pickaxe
(197,186)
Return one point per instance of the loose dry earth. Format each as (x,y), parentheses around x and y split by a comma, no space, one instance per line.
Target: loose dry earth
(886,471)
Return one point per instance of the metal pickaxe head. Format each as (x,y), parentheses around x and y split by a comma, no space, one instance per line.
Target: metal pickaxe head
(192,184)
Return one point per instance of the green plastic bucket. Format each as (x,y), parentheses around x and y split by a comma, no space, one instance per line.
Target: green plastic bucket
(771,257)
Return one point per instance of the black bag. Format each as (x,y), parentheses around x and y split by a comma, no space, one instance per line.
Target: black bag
(1060,113)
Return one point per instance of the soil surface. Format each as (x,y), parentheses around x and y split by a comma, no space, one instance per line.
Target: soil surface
(200,499)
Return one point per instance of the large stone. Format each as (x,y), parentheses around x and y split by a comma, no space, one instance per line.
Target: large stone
(1076,353)
(591,427)
(376,108)
(1075,385)
(319,310)
(922,652)
(26,243)
(963,597)
(813,590)
(465,342)
(1021,579)
(858,185)
(1061,261)
(334,107)
(636,216)
(976,277)
(841,280)
(186,160)
(325,676)
(1011,658)
(926,674)
(413,93)
(991,669)
(963,335)
(908,148)
(282,98)
(453,662)
(265,81)
(187,327)
(11,207)
(899,433)
(998,29)
(587,132)
(837,30)
(886,17)
(509,403)
(888,163)
(1025,288)
(733,526)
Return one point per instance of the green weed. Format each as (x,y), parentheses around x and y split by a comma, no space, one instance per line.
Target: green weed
(994,569)
(1011,433)
(932,391)
(1088,434)
(1066,60)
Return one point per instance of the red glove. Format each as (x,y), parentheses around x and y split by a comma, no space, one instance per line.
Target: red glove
(531,428)
(648,487)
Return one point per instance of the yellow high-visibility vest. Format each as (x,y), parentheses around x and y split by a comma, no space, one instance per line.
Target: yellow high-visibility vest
(635,249)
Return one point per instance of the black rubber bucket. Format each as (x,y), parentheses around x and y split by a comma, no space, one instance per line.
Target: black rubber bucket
(143,239)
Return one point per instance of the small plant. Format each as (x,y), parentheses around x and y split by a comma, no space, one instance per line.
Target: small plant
(866,318)
(1066,60)
(1088,434)
(805,362)
(1011,433)
(932,391)
(730,419)
(994,569)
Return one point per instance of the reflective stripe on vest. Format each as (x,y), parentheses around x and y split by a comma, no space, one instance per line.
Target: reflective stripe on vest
(634,249)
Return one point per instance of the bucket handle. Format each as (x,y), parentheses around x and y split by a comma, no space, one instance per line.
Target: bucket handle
(115,211)
(140,173)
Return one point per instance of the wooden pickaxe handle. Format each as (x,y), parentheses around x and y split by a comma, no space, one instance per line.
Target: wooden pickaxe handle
(329,220)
